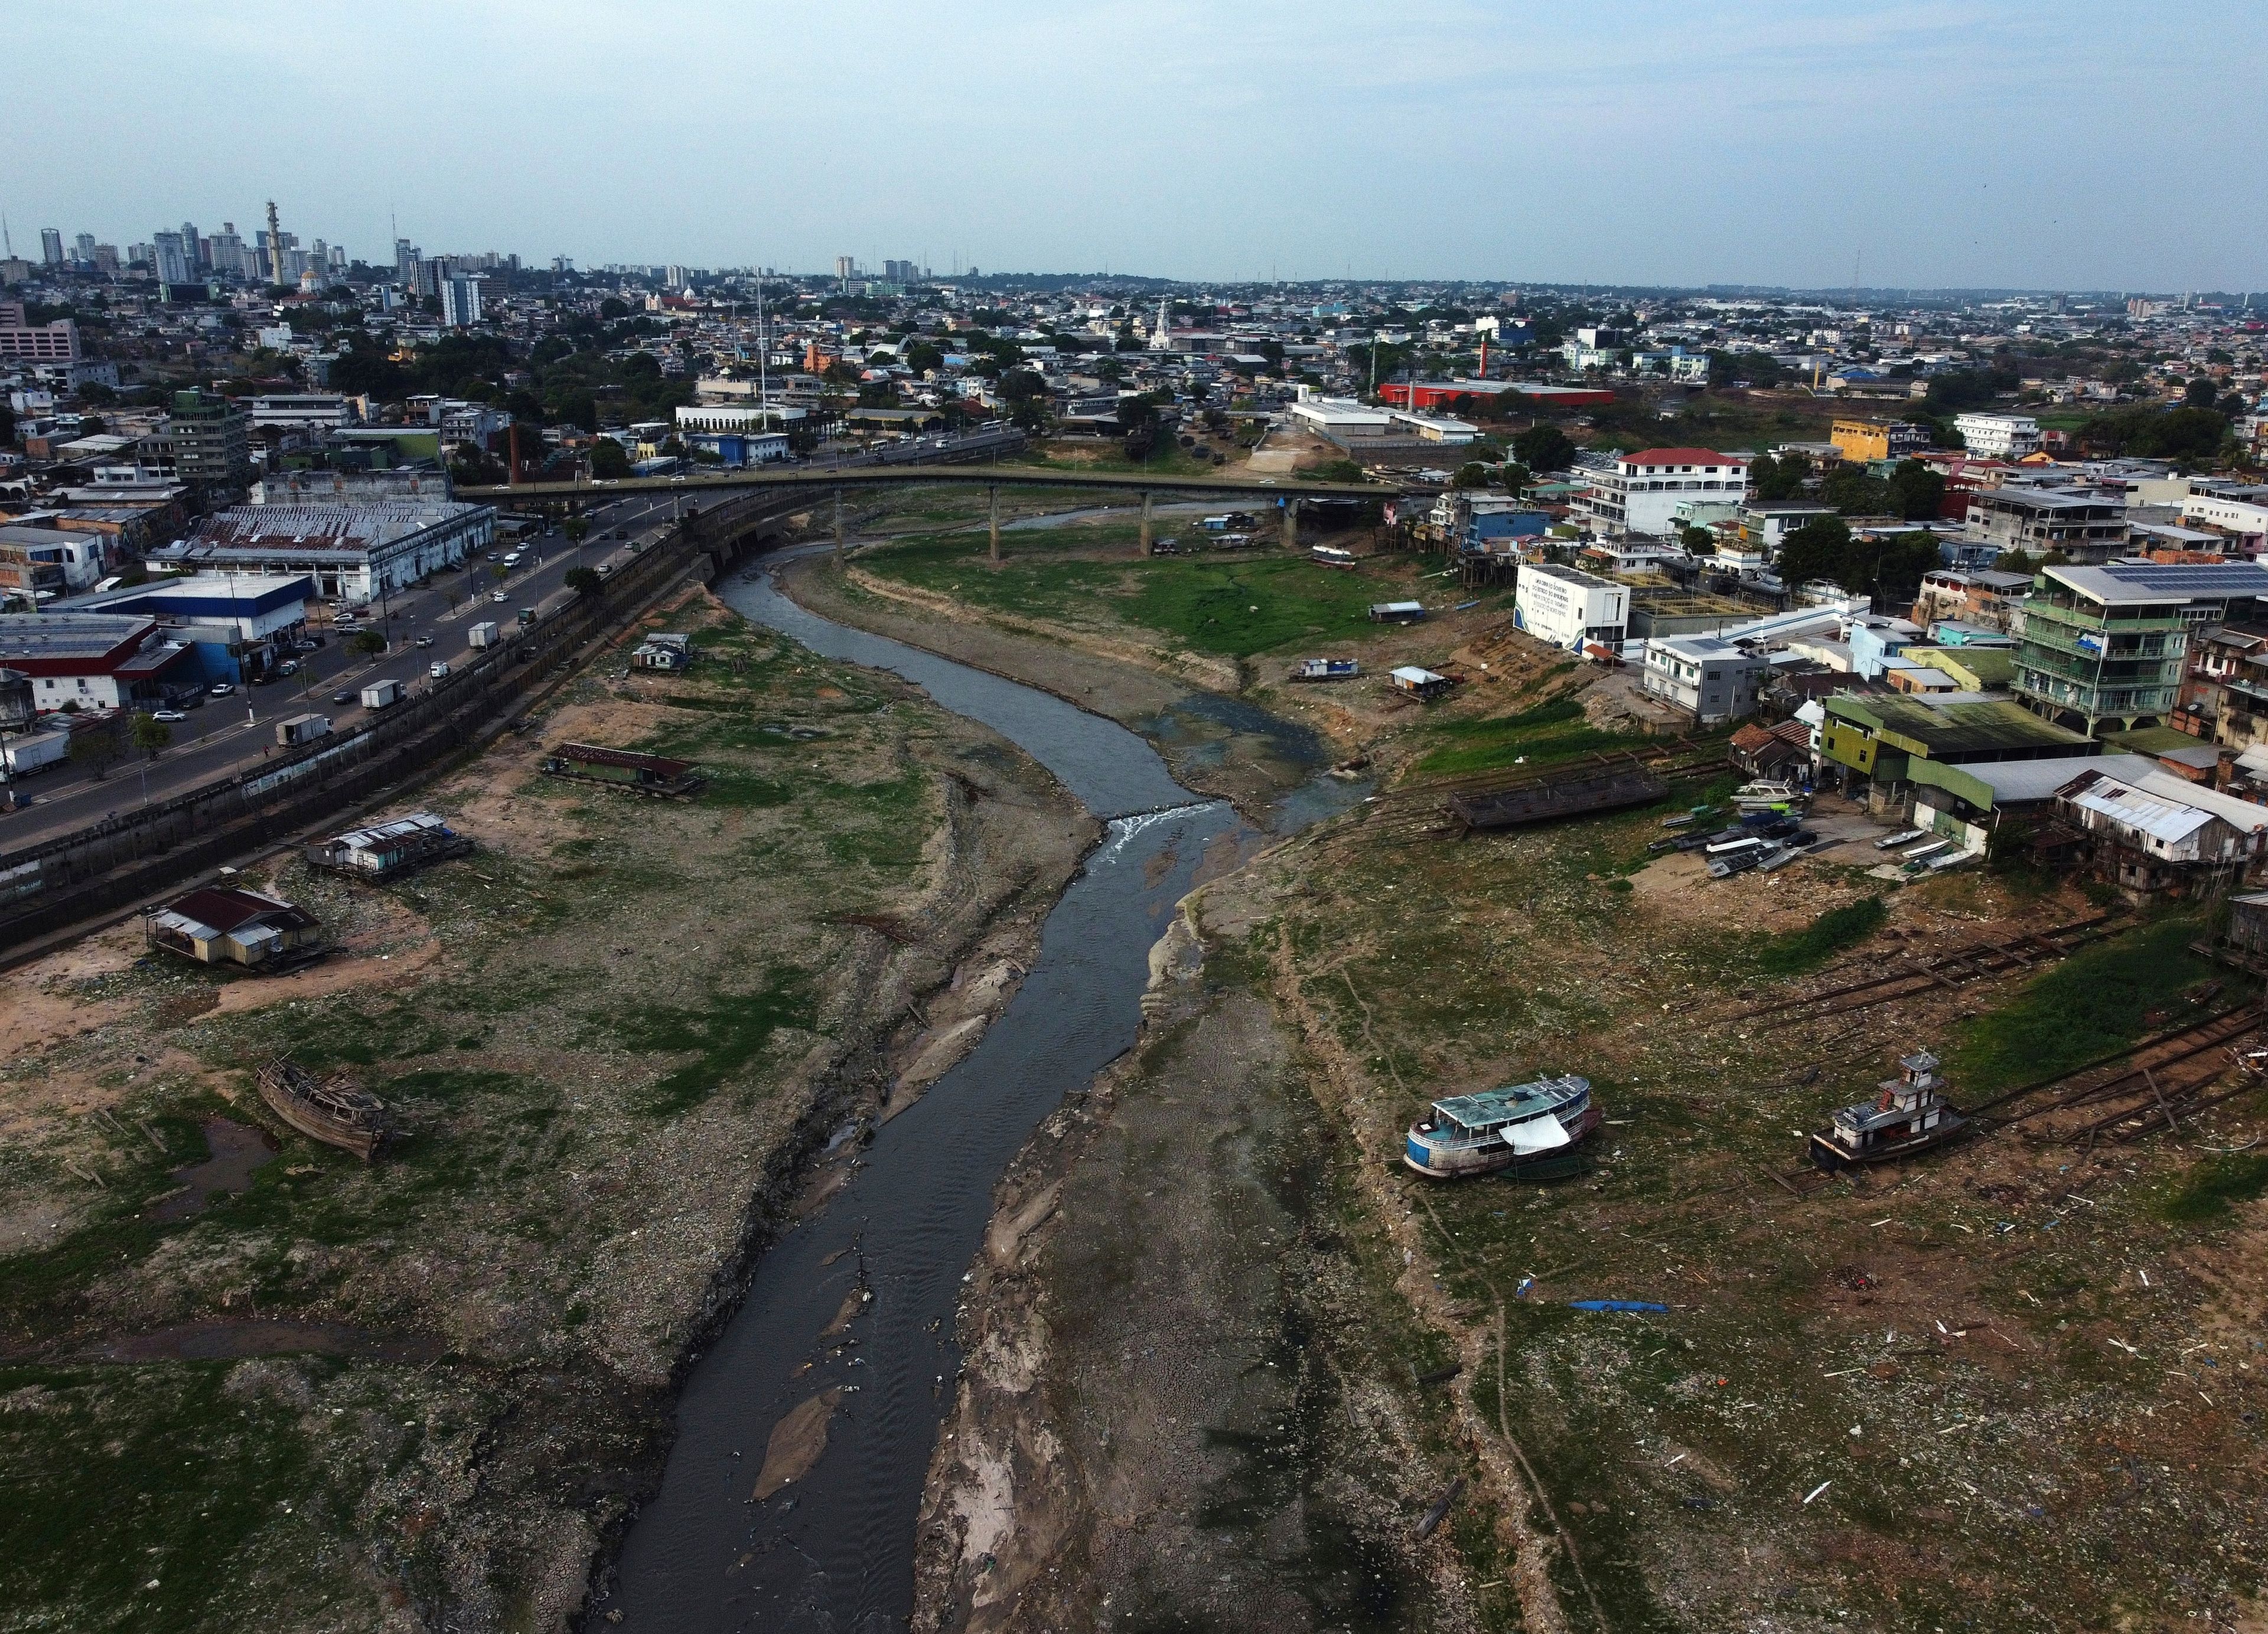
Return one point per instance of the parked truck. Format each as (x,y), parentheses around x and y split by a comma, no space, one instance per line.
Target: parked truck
(483,635)
(380,694)
(37,751)
(302,729)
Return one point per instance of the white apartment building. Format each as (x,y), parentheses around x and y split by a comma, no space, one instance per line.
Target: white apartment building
(1569,607)
(302,409)
(1999,436)
(2244,523)
(1639,493)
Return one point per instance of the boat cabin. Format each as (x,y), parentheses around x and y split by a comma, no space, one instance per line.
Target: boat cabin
(222,925)
(1910,1113)
(1520,1124)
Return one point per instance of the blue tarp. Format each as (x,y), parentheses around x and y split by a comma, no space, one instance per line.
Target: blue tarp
(1615,1305)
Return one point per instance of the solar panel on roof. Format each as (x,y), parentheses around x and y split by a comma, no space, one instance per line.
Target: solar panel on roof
(2180,575)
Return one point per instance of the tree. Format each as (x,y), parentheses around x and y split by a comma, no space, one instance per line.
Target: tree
(1029,415)
(1855,491)
(608,461)
(150,735)
(2201,393)
(1916,492)
(578,528)
(1472,473)
(1771,479)
(2016,560)
(369,642)
(1516,478)
(1544,448)
(583,581)
(98,750)
(611,308)
(922,357)
(1698,541)
(1820,549)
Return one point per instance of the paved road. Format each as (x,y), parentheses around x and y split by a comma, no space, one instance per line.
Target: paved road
(226,734)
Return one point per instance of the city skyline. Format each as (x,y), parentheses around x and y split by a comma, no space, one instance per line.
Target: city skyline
(1917,146)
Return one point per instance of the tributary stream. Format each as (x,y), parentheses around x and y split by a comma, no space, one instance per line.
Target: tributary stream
(834,1550)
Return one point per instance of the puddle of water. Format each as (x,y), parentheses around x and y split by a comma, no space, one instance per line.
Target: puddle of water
(238,1151)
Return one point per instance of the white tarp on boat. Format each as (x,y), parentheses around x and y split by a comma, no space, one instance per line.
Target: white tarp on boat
(1543,1134)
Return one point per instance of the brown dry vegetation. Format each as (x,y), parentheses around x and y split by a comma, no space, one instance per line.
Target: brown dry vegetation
(420,1392)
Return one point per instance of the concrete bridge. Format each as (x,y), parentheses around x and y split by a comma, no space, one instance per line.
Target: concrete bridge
(1286,491)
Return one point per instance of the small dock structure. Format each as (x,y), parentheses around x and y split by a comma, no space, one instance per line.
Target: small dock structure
(387,850)
(655,775)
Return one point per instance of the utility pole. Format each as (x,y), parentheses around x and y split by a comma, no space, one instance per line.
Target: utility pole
(1145,521)
(839,527)
(992,504)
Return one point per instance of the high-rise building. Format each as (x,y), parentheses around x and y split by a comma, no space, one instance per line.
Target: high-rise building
(846,266)
(676,278)
(167,258)
(51,246)
(106,258)
(192,248)
(901,272)
(85,245)
(228,251)
(405,259)
(460,302)
(207,439)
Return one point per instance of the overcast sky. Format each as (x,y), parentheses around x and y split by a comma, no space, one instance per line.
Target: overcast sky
(2053,143)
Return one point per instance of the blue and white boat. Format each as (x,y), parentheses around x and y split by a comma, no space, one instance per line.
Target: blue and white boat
(1523,1126)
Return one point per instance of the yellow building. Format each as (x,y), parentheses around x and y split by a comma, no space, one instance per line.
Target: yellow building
(1860,441)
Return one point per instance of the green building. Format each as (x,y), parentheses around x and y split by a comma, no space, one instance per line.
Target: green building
(2103,648)
(208,441)
(1875,738)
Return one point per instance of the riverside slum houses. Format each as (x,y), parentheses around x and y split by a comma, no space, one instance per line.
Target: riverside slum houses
(2124,744)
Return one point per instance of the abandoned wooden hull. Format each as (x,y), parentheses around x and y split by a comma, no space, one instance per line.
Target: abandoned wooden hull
(354,1121)
(1831,1155)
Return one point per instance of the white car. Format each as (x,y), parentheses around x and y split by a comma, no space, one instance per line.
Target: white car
(440,670)
(169,716)
(498,595)
(223,688)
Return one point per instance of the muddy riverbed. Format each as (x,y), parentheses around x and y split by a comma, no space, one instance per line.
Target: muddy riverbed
(825,1391)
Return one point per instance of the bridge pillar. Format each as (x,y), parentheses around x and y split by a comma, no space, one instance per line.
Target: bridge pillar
(1290,525)
(1145,521)
(992,506)
(839,527)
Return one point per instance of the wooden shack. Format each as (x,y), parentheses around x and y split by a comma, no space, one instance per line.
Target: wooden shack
(387,850)
(222,926)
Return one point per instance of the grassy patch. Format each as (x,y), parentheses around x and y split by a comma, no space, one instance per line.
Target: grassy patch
(1233,606)
(2090,1004)
(1556,731)
(723,1036)
(2207,1192)
(137,1499)
(1794,952)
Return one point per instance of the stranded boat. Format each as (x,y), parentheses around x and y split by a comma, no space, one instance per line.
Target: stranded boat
(332,1111)
(1910,1115)
(1526,1127)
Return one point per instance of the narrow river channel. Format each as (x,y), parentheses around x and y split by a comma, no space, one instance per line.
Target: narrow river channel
(834,1551)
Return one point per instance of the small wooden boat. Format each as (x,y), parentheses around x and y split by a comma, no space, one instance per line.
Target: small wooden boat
(334,1111)
(1911,1114)
(1526,1128)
